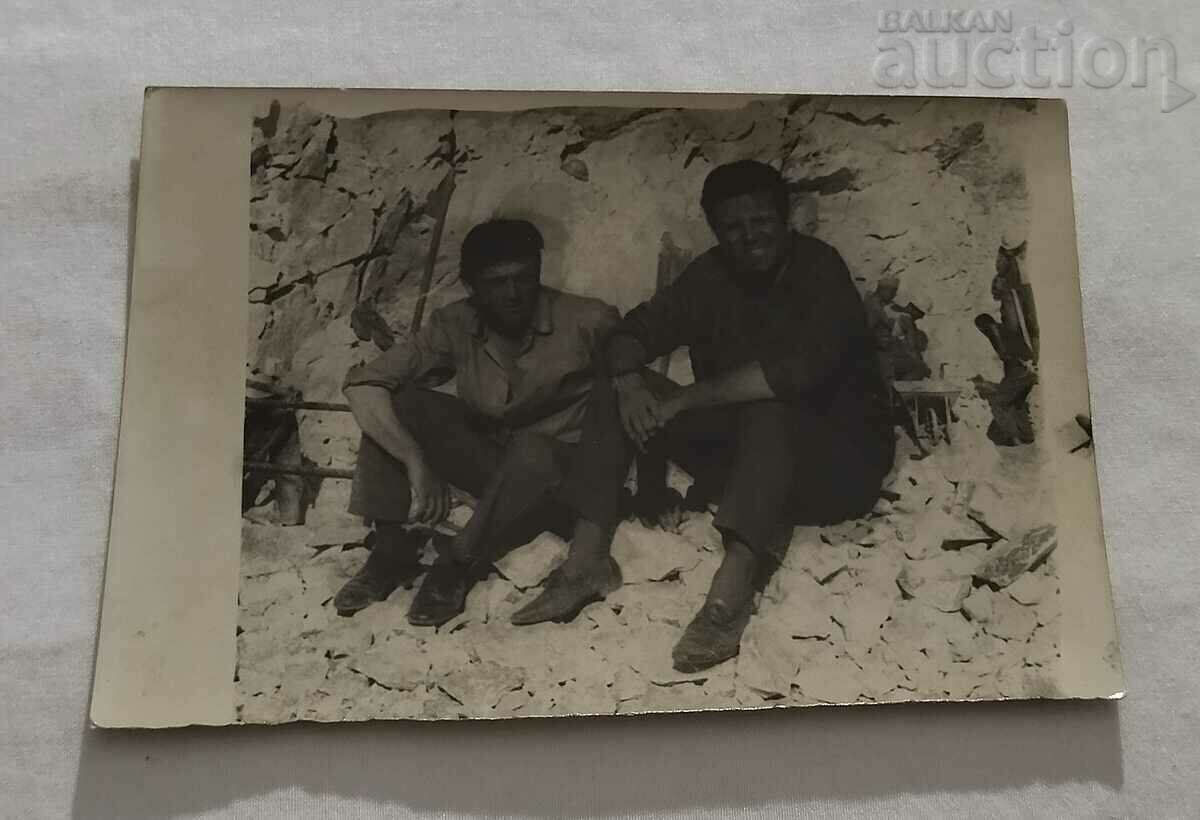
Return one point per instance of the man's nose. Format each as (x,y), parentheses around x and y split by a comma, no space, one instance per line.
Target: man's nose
(511,289)
(744,233)
(760,230)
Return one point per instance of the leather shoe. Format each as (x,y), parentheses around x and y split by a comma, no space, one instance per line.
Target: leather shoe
(713,636)
(442,596)
(370,585)
(565,595)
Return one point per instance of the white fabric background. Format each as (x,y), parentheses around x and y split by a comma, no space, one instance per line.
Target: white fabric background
(73,73)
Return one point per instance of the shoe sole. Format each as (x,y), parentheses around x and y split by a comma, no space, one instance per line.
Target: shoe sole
(350,612)
(429,622)
(690,668)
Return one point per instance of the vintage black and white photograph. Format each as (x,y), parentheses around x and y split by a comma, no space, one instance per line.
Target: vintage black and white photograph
(611,410)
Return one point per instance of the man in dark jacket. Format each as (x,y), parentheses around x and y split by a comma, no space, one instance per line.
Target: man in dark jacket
(787,423)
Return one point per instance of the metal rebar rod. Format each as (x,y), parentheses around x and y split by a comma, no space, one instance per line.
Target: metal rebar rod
(290,404)
(289,469)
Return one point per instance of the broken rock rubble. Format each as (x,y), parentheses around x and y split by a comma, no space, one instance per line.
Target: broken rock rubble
(1016,559)
(920,599)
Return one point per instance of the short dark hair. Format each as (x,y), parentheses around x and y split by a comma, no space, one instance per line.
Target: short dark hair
(745,176)
(499,240)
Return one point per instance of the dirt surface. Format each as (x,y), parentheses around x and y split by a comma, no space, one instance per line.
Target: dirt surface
(896,606)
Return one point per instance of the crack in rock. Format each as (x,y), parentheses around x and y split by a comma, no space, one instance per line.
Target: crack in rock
(881,120)
(958,143)
(843,179)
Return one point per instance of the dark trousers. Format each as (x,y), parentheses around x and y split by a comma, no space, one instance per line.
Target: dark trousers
(513,475)
(769,465)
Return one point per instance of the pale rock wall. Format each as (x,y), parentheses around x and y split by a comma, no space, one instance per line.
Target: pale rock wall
(925,190)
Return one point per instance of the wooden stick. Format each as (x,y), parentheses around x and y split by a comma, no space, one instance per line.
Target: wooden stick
(288,469)
(290,404)
(443,193)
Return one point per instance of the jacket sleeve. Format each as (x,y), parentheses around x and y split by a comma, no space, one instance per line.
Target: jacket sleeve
(673,317)
(425,359)
(804,349)
(603,321)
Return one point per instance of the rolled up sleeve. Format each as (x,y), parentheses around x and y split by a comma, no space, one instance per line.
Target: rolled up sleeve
(672,318)
(425,359)
(600,327)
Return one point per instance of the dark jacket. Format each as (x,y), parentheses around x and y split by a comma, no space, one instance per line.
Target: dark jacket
(808,330)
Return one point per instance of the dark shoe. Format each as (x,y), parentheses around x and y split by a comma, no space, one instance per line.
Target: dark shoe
(713,636)
(564,596)
(370,585)
(442,596)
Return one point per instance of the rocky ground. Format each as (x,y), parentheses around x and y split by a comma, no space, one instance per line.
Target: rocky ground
(947,590)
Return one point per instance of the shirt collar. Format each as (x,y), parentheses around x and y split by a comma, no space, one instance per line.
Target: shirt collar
(543,318)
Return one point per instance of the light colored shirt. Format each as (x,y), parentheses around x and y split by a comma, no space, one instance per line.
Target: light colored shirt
(543,389)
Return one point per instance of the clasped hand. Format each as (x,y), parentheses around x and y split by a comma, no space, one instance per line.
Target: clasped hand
(643,410)
(430,496)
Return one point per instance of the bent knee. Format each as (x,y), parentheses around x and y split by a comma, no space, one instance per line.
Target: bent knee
(416,401)
(532,453)
(768,416)
(423,412)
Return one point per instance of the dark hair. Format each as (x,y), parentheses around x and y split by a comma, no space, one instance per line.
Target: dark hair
(745,176)
(498,240)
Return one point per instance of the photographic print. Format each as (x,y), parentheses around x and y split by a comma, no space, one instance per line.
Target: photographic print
(596,410)
(509,404)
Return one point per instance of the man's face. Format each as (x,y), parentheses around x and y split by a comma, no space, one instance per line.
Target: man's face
(751,233)
(506,293)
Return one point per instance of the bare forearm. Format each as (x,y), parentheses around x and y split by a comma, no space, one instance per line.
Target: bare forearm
(743,384)
(372,409)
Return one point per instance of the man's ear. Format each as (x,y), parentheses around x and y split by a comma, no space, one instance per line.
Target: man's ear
(537,263)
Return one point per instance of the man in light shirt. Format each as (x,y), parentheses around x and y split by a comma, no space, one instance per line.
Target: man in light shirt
(522,355)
